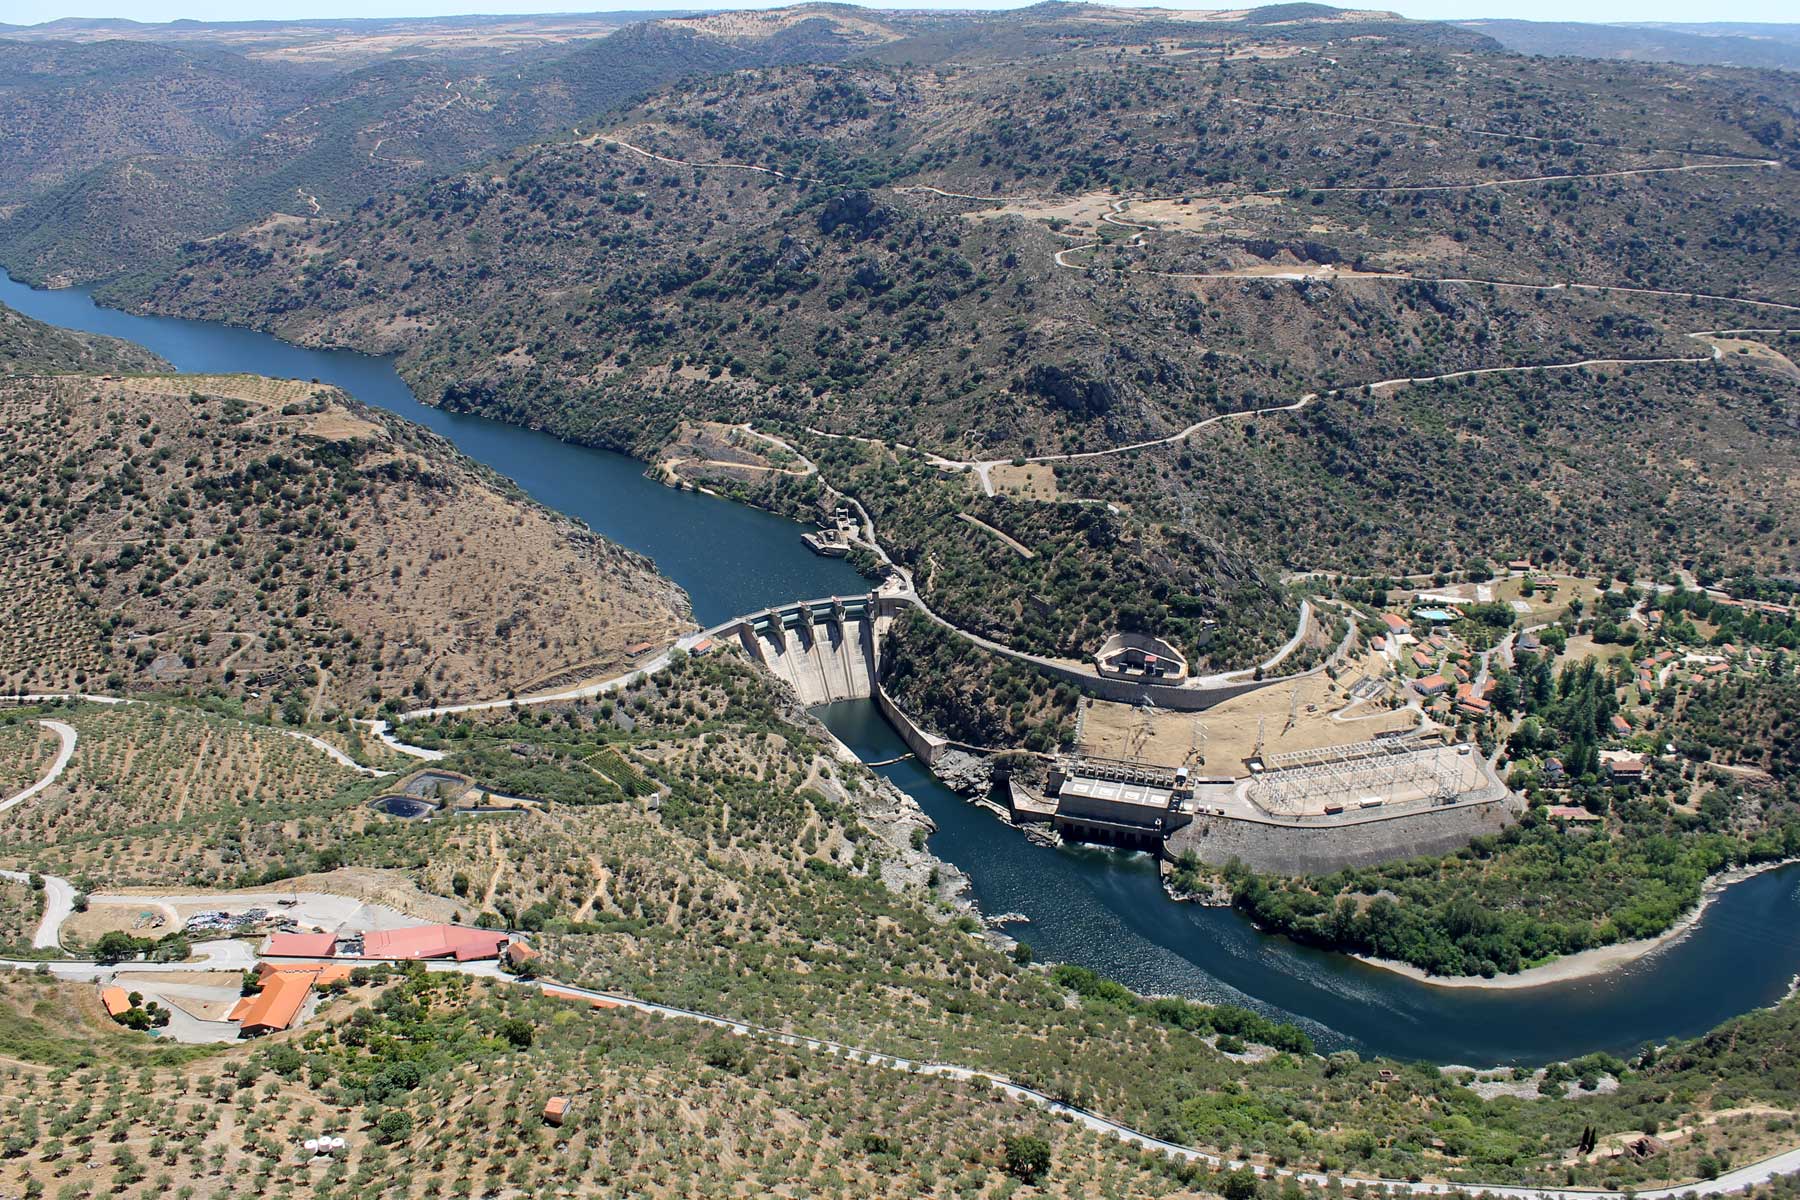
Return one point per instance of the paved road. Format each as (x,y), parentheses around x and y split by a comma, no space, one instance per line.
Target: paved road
(59,894)
(586,692)
(332,752)
(380,729)
(59,902)
(66,734)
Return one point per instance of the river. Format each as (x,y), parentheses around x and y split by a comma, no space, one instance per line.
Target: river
(1100,908)
(731,558)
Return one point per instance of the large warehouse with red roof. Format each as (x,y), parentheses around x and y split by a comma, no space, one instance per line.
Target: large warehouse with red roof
(412,942)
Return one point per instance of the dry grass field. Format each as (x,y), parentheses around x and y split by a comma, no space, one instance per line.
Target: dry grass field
(273,538)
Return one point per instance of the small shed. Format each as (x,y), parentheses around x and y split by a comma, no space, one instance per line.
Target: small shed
(555,1109)
(116,1001)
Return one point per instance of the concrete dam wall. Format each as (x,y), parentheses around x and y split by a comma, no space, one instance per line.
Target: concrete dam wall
(1281,848)
(824,648)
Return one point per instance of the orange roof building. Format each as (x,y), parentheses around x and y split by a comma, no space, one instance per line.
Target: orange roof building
(556,993)
(320,976)
(335,973)
(555,1109)
(116,1001)
(302,945)
(1431,685)
(434,941)
(275,1007)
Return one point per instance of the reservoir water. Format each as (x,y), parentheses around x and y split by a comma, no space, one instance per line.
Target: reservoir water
(1099,908)
(732,559)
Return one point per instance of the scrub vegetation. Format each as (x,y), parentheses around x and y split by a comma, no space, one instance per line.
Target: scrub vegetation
(283,544)
(766,880)
(29,347)
(834,290)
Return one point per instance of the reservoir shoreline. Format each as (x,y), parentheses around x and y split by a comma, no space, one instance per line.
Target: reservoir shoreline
(1101,909)
(1595,962)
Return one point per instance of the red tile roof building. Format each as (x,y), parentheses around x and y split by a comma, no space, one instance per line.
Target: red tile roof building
(1573,813)
(1626,767)
(276,1006)
(320,976)
(434,941)
(302,945)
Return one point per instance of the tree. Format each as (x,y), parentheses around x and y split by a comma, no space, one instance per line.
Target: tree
(518,1032)
(116,946)
(1239,1185)
(286,1061)
(1027,1157)
(394,1125)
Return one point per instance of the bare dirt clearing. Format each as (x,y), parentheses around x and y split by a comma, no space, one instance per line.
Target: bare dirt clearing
(1226,734)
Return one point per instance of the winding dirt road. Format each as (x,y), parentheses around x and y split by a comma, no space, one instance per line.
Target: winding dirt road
(66,735)
(609,140)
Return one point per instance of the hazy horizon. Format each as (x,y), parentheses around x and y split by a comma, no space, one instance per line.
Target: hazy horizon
(34,12)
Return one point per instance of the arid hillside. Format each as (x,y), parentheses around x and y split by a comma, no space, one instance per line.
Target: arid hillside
(29,347)
(280,541)
(1192,276)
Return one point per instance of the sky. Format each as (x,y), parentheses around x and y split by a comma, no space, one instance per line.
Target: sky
(28,12)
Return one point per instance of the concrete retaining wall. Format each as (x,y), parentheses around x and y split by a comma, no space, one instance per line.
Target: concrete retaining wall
(1122,691)
(1280,849)
(1163,695)
(925,746)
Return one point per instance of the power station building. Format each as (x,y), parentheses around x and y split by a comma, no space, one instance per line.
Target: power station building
(1119,803)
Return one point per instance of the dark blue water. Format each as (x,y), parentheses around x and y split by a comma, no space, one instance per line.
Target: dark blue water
(403,806)
(730,558)
(1102,909)
(1106,910)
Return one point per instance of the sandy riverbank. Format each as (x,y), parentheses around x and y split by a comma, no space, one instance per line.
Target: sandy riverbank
(1585,964)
